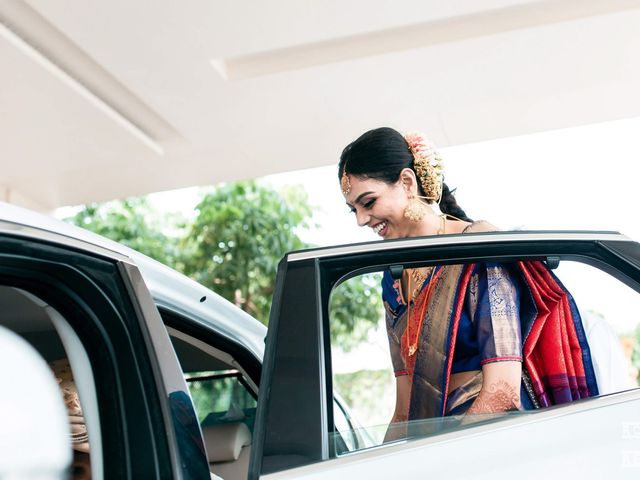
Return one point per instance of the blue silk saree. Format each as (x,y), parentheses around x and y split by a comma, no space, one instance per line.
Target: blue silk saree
(481,313)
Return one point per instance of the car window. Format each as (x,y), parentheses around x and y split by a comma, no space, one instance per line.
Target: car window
(222,397)
(370,355)
(610,313)
(346,439)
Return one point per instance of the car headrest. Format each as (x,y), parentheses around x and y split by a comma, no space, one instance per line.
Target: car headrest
(225,441)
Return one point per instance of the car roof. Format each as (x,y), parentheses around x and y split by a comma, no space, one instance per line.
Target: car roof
(170,289)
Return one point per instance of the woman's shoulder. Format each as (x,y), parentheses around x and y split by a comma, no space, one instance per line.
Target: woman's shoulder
(480,226)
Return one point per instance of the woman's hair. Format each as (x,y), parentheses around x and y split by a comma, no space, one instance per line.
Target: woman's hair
(383,153)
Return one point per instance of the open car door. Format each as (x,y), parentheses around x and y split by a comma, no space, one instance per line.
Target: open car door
(83,303)
(296,435)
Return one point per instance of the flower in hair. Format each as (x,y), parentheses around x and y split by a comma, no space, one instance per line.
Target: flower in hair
(427,164)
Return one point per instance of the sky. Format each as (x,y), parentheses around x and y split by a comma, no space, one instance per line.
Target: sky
(583,178)
(577,178)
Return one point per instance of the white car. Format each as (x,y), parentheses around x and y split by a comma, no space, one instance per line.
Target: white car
(133,330)
(130,374)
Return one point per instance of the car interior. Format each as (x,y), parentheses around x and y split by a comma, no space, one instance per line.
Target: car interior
(225,400)
(49,333)
(225,397)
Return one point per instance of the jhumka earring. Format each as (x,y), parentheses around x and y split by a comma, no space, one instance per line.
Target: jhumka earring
(415,209)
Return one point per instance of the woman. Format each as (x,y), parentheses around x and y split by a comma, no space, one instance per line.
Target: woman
(456,332)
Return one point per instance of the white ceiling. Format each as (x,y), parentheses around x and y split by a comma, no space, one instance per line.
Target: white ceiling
(107,99)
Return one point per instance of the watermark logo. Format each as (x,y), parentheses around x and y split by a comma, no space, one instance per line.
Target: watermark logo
(631,430)
(631,459)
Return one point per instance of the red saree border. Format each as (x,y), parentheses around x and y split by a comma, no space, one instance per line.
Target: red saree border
(500,359)
(561,377)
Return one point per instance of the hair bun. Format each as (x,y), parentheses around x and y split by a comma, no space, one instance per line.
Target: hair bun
(427,165)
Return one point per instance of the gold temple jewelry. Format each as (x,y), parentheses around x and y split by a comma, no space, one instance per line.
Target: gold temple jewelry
(415,209)
(430,179)
(427,165)
(419,276)
(413,346)
(345,184)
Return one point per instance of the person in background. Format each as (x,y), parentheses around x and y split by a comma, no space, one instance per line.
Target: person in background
(81,466)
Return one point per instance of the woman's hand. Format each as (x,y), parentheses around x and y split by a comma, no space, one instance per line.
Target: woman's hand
(398,425)
(500,390)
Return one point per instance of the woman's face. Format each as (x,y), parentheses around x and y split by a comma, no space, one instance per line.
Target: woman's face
(380,206)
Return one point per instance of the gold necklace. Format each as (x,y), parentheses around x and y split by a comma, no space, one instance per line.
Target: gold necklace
(419,277)
(413,345)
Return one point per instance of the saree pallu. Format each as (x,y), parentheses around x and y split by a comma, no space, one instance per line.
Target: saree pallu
(556,354)
(557,365)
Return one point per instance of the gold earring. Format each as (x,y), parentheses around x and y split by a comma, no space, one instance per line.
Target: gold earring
(415,209)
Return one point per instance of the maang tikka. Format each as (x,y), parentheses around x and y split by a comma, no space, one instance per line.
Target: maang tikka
(345,184)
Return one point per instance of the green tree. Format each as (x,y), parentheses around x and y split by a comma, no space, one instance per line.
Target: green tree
(355,307)
(133,223)
(241,232)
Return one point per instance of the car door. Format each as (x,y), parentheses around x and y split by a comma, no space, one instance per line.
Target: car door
(139,416)
(295,434)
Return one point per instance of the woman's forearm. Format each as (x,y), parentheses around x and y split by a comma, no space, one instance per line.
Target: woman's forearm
(398,425)
(499,396)
(500,390)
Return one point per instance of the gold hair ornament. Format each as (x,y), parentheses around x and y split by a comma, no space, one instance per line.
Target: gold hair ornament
(345,184)
(428,166)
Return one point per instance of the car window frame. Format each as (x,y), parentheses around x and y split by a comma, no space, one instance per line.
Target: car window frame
(191,326)
(313,274)
(233,374)
(92,292)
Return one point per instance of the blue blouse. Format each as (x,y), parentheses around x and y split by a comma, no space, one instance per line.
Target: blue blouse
(489,327)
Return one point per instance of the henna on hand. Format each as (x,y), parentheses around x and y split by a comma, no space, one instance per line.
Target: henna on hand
(497,397)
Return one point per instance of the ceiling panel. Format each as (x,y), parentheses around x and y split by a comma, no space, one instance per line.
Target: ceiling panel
(533,66)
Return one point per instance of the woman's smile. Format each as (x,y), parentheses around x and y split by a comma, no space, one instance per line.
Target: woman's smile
(378,205)
(381,229)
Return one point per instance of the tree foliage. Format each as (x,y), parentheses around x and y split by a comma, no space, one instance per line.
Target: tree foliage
(240,234)
(131,222)
(354,308)
(233,246)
